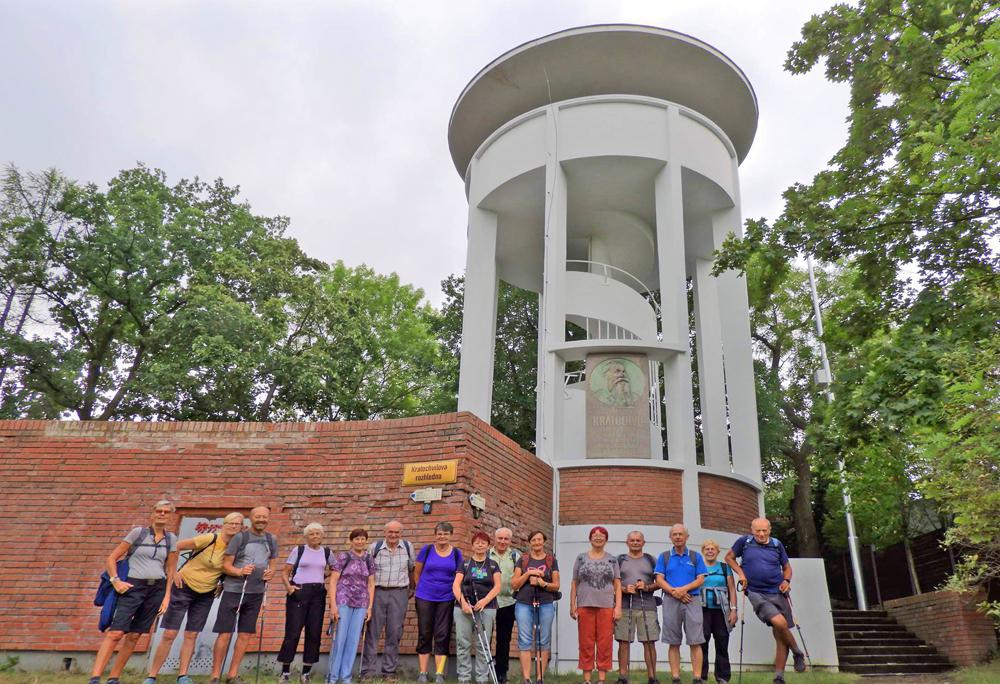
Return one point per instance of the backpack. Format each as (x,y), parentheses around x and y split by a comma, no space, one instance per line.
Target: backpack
(652,567)
(298,559)
(106,596)
(424,552)
(190,556)
(272,543)
(380,544)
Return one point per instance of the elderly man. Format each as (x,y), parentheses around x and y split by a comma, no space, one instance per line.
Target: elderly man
(679,572)
(638,607)
(766,575)
(507,558)
(394,560)
(249,565)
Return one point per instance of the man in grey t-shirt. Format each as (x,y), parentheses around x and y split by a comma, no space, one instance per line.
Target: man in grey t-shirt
(249,564)
(638,607)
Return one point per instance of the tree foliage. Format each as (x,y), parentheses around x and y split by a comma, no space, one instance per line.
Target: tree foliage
(179,303)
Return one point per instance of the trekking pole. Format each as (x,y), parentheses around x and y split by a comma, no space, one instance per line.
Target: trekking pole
(236,624)
(484,641)
(798,627)
(364,632)
(149,648)
(537,629)
(260,638)
(742,587)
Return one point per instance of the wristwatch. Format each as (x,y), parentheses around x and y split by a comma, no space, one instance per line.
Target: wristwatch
(115,579)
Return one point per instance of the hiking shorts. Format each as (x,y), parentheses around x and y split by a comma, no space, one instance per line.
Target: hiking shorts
(766,606)
(187,601)
(225,619)
(687,615)
(635,622)
(137,608)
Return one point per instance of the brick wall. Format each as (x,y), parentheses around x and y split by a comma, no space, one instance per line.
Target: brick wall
(620,495)
(727,505)
(70,490)
(950,622)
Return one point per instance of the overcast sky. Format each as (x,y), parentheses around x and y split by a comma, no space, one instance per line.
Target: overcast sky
(335,113)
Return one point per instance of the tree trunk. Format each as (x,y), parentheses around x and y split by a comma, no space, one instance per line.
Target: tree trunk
(802,505)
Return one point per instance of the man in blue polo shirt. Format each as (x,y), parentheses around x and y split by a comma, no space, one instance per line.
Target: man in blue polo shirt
(679,572)
(767,575)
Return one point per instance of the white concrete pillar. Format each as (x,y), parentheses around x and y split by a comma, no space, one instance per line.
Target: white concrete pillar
(711,377)
(737,350)
(552,313)
(670,257)
(479,315)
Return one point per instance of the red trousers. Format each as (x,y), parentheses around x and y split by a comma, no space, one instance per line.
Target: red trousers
(597,627)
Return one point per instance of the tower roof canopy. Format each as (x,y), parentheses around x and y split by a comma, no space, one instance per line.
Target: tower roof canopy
(605,59)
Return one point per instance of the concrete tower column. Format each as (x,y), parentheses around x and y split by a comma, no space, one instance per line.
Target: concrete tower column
(479,315)
(552,310)
(711,375)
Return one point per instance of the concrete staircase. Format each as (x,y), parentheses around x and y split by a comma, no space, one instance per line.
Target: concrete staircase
(872,643)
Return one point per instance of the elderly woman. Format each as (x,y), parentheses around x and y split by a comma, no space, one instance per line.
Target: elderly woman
(536,581)
(476,586)
(595,601)
(434,574)
(194,591)
(152,556)
(352,590)
(304,578)
(718,595)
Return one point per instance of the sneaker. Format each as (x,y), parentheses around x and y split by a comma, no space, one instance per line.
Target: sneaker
(653,680)
(150,680)
(422,678)
(778,679)
(284,677)
(800,661)
(184,679)
(214,680)
(675,680)
(305,677)
(94,680)
(235,680)
(622,680)
(439,678)
(114,680)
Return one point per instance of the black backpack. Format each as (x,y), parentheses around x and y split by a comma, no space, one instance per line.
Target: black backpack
(298,559)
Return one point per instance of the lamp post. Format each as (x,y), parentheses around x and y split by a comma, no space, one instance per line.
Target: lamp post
(824,378)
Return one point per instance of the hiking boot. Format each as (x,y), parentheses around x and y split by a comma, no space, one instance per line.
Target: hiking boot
(114,680)
(653,680)
(214,680)
(622,680)
(422,678)
(94,680)
(800,661)
(778,679)
(675,680)
(439,678)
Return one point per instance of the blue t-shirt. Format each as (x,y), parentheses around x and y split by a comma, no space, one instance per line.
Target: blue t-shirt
(715,578)
(438,574)
(678,569)
(763,564)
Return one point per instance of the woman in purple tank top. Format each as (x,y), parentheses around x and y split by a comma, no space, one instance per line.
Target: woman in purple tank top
(435,571)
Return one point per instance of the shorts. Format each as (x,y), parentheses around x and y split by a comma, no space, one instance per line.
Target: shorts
(137,608)
(187,601)
(633,623)
(686,615)
(766,606)
(225,619)
(524,613)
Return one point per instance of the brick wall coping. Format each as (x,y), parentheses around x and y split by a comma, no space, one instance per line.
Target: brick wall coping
(99,427)
(662,465)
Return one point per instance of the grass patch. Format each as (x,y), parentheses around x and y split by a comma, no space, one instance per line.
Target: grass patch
(568,678)
(981,674)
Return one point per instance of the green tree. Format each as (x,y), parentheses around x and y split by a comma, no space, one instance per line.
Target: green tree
(516,354)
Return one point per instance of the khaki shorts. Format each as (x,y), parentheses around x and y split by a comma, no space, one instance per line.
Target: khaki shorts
(641,623)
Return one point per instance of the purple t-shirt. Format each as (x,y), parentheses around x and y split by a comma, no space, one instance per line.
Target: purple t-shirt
(352,586)
(438,574)
(312,568)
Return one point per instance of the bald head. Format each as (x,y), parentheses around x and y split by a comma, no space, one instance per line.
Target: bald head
(761,530)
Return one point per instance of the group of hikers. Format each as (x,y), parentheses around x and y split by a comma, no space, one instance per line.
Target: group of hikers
(485,593)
